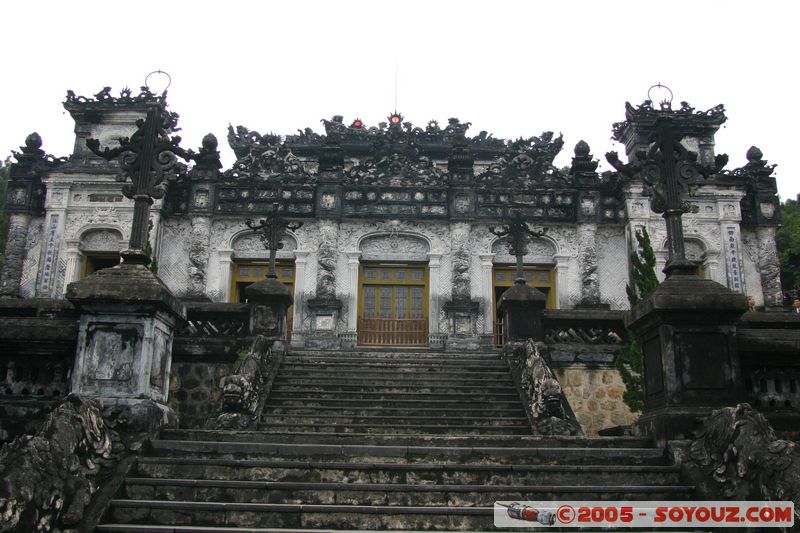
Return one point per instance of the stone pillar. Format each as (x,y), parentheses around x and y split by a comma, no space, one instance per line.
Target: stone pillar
(352,291)
(434,269)
(225,263)
(488,298)
(73,257)
(199,249)
(300,263)
(128,317)
(11,274)
(562,281)
(687,331)
(712,267)
(769,268)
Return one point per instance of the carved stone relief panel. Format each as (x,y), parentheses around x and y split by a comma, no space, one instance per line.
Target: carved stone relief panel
(249,246)
(394,247)
(173,262)
(539,251)
(694,250)
(101,240)
(612,266)
(30,265)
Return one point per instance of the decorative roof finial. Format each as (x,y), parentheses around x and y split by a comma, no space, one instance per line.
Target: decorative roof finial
(666,95)
(159,73)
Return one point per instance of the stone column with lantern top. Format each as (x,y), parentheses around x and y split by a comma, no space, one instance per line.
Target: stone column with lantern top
(128,315)
(687,326)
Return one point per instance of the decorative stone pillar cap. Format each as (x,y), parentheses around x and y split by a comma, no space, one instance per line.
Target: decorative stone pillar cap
(268,290)
(523,294)
(127,288)
(689,298)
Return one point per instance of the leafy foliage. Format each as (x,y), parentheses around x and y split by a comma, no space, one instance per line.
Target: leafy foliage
(787,239)
(629,359)
(644,270)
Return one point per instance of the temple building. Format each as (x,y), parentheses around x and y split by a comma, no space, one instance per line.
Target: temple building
(393,242)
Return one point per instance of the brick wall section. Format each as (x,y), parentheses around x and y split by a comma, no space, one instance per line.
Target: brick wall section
(595,395)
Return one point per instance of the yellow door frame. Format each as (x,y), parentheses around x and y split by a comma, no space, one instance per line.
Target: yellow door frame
(393,279)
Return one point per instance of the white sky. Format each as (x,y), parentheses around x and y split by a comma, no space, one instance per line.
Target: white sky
(511,68)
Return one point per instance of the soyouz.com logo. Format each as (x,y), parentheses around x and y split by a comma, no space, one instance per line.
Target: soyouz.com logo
(643,514)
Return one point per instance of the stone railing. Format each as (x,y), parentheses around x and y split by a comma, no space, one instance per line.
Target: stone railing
(204,351)
(547,408)
(37,343)
(769,350)
(583,326)
(213,329)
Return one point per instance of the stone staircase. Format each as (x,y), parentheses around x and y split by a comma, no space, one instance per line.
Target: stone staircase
(379,440)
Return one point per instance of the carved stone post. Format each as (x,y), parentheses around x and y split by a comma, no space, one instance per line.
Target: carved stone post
(461,310)
(325,306)
(584,172)
(128,318)
(687,332)
(202,183)
(11,274)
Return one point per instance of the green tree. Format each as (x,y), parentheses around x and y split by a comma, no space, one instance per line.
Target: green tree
(787,239)
(4,166)
(629,359)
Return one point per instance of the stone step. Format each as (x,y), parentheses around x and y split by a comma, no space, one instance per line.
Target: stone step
(337,493)
(256,515)
(404,367)
(390,353)
(397,368)
(514,441)
(336,420)
(411,454)
(416,473)
(395,429)
(288,400)
(302,410)
(467,393)
(428,378)
(408,391)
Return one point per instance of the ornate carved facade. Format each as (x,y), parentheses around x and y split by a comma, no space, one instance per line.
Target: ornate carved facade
(378,198)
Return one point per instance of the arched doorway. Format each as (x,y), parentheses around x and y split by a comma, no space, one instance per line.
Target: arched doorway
(393,291)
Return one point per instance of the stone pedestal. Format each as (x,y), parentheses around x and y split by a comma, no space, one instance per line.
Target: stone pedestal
(686,329)
(269,301)
(521,307)
(462,332)
(324,317)
(127,324)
